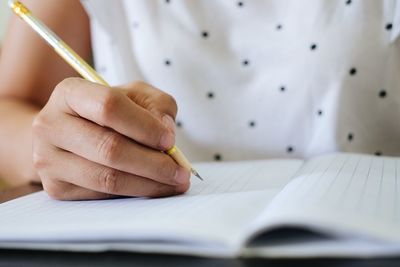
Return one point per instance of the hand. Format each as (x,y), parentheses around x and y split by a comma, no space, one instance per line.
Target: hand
(93,142)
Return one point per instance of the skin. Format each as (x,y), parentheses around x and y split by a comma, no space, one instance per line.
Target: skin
(80,139)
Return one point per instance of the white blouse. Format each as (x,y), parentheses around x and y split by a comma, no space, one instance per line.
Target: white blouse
(261,78)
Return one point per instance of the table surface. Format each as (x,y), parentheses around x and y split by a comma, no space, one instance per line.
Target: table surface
(47,258)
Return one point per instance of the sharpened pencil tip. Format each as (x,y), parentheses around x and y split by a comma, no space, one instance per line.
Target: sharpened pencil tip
(195,173)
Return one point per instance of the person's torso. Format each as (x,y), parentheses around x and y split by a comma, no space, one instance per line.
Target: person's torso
(258,79)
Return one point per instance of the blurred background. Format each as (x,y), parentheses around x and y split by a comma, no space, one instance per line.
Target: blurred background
(4,14)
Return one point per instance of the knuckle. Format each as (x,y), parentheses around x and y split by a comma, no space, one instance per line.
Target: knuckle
(65,85)
(54,190)
(40,124)
(60,87)
(138,84)
(55,194)
(40,161)
(110,146)
(108,181)
(108,102)
(170,101)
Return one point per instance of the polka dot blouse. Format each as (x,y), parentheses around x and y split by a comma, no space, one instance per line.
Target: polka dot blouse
(261,79)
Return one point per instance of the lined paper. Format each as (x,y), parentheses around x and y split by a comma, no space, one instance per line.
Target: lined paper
(244,176)
(348,193)
(213,212)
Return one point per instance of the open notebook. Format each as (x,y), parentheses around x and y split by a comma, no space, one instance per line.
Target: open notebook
(334,205)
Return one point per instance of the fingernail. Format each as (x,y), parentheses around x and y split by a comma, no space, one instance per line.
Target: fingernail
(182,175)
(167,140)
(169,122)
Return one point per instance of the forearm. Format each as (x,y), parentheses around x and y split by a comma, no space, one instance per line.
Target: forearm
(16,119)
(29,72)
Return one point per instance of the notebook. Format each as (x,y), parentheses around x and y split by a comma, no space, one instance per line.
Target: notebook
(337,205)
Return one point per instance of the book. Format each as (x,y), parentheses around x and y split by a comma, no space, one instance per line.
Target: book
(340,205)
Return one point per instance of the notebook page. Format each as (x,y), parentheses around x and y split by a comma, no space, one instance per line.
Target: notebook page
(345,194)
(212,212)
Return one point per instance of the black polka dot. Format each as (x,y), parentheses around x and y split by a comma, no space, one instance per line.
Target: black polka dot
(282,89)
(378,153)
(167,62)
(210,95)
(289,149)
(382,93)
(319,112)
(350,137)
(240,4)
(204,34)
(348,2)
(179,124)
(389,26)
(353,71)
(217,157)
(278,27)
(245,62)
(252,124)
(167,1)
(313,46)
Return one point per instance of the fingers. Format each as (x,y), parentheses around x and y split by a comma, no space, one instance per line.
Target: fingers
(65,191)
(97,181)
(92,142)
(152,99)
(111,149)
(160,104)
(114,109)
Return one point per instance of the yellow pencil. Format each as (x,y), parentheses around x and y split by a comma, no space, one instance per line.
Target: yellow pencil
(81,66)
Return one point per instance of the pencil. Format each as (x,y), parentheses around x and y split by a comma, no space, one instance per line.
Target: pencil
(82,67)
